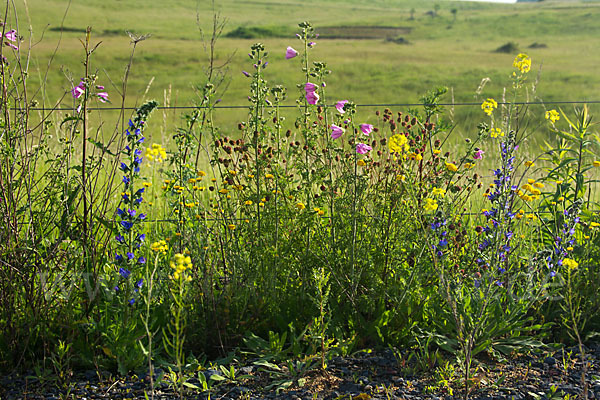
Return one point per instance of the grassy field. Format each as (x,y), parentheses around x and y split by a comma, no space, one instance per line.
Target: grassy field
(455,48)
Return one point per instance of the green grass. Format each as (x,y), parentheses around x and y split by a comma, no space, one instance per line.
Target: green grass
(457,54)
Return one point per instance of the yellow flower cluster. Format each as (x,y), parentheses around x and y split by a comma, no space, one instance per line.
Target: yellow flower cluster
(438,192)
(570,263)
(159,247)
(522,63)
(533,188)
(180,265)
(552,115)
(495,132)
(398,144)
(488,106)
(300,206)
(361,163)
(451,167)
(415,156)
(319,211)
(430,205)
(156,152)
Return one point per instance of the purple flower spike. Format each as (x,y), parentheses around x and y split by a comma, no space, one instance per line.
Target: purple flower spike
(142,260)
(247,75)
(139,283)
(124,272)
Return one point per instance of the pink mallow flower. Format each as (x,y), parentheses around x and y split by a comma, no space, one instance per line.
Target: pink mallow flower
(362,148)
(312,97)
(78,90)
(340,106)
(478,154)
(11,35)
(310,87)
(103,97)
(366,129)
(336,131)
(290,53)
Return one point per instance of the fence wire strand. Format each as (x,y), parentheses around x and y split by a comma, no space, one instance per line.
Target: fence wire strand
(225,107)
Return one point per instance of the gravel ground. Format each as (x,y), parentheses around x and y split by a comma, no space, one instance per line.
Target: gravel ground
(363,376)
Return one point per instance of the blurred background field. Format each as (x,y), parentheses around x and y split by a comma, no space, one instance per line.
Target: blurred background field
(386,51)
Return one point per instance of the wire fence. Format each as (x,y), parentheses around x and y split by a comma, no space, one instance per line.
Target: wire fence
(225,107)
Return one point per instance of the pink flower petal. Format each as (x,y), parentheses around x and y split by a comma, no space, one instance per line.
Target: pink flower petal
(11,35)
(103,97)
(340,106)
(13,46)
(310,87)
(312,97)
(336,131)
(478,154)
(290,53)
(362,148)
(78,90)
(366,129)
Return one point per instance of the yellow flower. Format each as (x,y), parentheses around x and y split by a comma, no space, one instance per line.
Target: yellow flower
(539,185)
(261,204)
(430,205)
(231,226)
(269,176)
(159,247)
(401,178)
(438,192)
(361,163)
(201,173)
(559,182)
(594,224)
(398,144)
(488,106)
(437,151)
(147,184)
(250,176)
(552,115)
(560,198)
(529,163)
(495,132)
(223,191)
(232,172)
(451,167)
(570,263)
(300,206)
(522,63)
(248,202)
(596,163)
(570,248)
